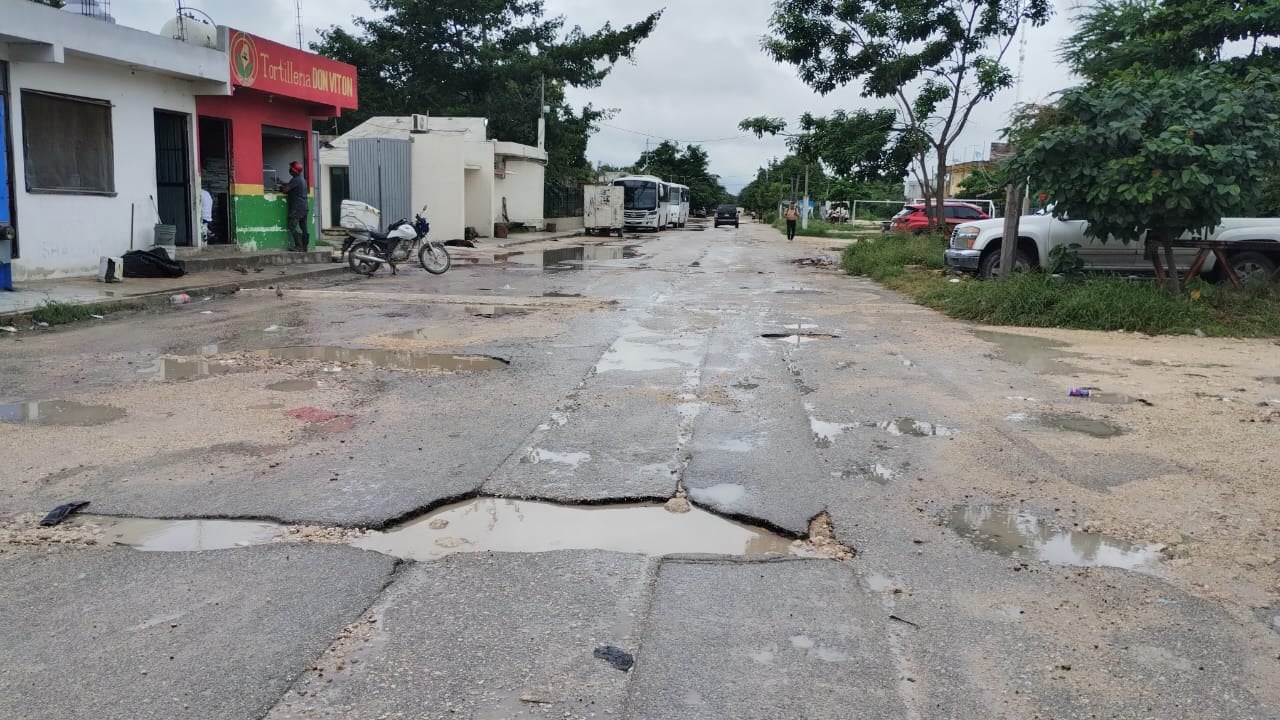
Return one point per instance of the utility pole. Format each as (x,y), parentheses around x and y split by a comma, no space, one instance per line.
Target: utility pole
(804,214)
(542,114)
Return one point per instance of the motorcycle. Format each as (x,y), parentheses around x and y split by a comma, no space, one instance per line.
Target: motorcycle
(366,251)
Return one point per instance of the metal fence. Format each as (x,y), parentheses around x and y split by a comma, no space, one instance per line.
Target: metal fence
(560,199)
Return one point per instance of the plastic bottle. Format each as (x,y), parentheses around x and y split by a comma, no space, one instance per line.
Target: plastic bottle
(180,299)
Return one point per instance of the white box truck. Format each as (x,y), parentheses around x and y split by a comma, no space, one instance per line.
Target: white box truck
(603,212)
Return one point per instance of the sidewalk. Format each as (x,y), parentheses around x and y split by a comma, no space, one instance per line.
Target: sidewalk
(526,238)
(144,291)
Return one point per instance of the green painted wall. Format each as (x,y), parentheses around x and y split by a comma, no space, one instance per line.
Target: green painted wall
(260,222)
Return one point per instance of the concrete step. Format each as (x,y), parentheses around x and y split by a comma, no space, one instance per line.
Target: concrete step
(230,261)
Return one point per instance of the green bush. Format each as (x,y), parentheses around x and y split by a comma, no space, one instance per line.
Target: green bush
(887,256)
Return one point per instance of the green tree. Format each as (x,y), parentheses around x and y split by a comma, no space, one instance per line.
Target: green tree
(1159,152)
(938,60)
(487,59)
(690,167)
(780,181)
(862,145)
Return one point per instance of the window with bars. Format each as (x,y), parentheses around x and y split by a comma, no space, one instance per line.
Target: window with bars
(67,144)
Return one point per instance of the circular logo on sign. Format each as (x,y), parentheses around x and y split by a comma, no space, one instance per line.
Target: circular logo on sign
(244,59)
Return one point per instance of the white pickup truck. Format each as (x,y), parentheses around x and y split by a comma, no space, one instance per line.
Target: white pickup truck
(975,246)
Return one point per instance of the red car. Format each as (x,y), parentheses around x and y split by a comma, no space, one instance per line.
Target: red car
(912,218)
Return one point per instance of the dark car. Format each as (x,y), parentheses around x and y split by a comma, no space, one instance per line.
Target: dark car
(727,215)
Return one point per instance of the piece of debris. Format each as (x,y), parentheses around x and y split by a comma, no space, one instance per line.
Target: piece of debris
(8,328)
(97,317)
(279,292)
(904,621)
(61,512)
(615,656)
(273,328)
(535,701)
(819,261)
(39,324)
(677,505)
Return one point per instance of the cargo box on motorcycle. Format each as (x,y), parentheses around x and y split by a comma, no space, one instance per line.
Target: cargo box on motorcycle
(359,216)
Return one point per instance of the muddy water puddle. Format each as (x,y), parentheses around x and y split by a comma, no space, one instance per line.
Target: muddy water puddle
(171,369)
(1038,354)
(389,359)
(1070,422)
(503,525)
(575,258)
(61,413)
(180,535)
(910,427)
(1026,537)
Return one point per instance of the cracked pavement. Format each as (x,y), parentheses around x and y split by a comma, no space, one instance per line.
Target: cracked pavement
(670,389)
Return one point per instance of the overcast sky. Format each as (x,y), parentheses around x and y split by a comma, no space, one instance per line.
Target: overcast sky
(694,79)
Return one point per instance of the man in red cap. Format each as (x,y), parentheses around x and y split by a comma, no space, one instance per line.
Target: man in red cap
(296,203)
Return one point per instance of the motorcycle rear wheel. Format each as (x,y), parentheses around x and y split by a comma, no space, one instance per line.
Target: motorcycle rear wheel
(362,267)
(434,258)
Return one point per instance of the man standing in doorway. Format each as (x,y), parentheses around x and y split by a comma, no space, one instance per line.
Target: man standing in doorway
(296,201)
(791,215)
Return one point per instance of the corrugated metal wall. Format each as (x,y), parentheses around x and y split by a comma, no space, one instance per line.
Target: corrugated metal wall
(380,175)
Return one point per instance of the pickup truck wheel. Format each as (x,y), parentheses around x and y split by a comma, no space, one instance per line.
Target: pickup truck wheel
(1250,264)
(990,265)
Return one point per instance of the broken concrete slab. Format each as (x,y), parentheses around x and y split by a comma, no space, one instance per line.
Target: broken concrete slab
(485,635)
(770,639)
(117,633)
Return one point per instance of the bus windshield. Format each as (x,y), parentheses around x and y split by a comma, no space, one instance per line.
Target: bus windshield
(639,194)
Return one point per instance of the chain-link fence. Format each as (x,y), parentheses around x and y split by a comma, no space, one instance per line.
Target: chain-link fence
(560,199)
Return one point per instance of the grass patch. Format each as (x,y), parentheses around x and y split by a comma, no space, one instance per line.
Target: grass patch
(55,312)
(1090,303)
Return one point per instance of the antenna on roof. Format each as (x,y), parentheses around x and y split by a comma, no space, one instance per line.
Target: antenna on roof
(298,7)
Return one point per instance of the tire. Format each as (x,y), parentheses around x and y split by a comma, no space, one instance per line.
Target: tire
(1252,264)
(990,265)
(434,258)
(362,267)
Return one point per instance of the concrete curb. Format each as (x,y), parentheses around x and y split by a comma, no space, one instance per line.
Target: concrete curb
(160,298)
(529,241)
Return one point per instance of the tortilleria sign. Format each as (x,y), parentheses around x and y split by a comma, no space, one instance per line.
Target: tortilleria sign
(268,66)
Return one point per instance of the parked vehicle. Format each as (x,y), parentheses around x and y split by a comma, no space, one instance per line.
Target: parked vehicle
(678,204)
(646,202)
(975,246)
(726,215)
(367,250)
(603,212)
(912,218)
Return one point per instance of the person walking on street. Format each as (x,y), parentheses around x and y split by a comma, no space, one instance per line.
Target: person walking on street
(791,215)
(296,191)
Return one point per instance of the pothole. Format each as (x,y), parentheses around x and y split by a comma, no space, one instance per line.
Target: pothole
(63,413)
(798,337)
(178,535)
(574,258)
(1071,422)
(494,311)
(913,428)
(293,385)
(1026,537)
(1039,354)
(188,368)
(388,359)
(505,525)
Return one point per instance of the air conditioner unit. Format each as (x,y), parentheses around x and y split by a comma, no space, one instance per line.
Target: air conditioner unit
(420,123)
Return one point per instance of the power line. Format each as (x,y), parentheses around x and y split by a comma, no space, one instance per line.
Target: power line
(674,140)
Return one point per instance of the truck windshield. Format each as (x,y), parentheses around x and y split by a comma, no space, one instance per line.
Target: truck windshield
(639,194)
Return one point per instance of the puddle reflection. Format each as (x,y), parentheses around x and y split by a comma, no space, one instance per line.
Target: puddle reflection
(1014,534)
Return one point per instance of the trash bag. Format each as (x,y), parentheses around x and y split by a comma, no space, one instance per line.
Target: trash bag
(153,263)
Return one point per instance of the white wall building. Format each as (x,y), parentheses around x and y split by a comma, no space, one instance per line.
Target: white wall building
(462,177)
(98,126)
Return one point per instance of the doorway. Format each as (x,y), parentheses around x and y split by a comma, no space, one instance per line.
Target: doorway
(173,174)
(339,190)
(7,221)
(215,175)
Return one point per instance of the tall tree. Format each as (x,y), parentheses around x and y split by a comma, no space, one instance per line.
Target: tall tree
(489,59)
(937,59)
(862,145)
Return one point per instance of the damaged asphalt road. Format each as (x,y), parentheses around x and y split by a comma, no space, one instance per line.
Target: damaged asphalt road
(705,367)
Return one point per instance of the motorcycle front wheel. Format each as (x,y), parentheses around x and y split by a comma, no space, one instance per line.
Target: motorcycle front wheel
(362,267)
(434,258)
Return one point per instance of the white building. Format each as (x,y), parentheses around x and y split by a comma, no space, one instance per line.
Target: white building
(462,177)
(98,126)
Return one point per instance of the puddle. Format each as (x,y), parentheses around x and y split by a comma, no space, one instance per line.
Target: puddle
(798,337)
(181,535)
(493,311)
(503,525)
(574,258)
(1038,354)
(188,368)
(59,413)
(876,473)
(1071,422)
(294,385)
(392,359)
(631,354)
(913,428)
(1014,534)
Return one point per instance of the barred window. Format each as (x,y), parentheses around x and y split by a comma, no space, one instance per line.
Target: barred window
(67,144)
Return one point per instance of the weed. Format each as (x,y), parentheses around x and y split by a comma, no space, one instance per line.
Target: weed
(55,312)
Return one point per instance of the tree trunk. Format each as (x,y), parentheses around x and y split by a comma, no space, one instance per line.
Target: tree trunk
(1175,280)
(940,201)
(1009,243)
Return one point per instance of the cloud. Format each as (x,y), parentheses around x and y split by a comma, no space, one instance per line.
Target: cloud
(695,78)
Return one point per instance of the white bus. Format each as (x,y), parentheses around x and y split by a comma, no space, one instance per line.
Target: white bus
(645,202)
(679,214)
